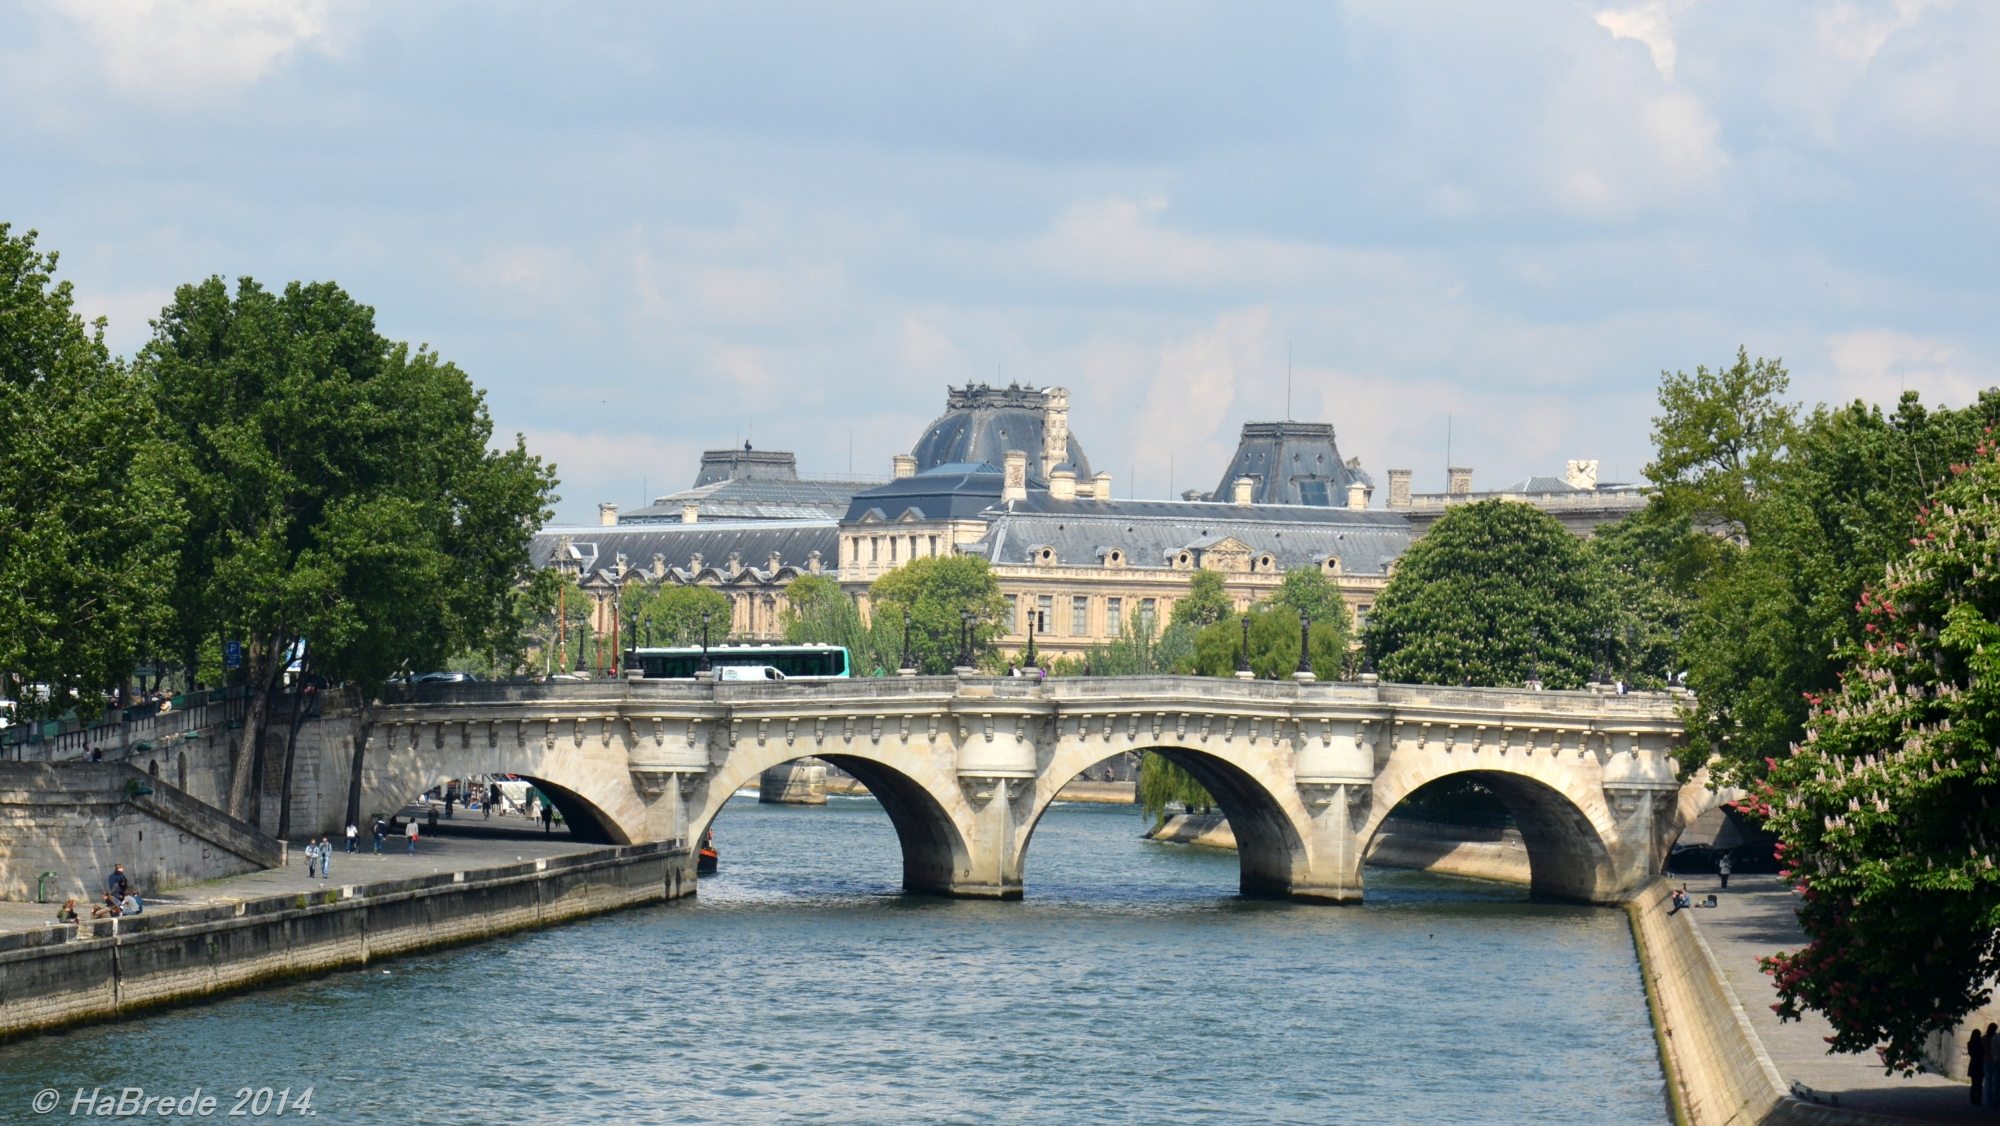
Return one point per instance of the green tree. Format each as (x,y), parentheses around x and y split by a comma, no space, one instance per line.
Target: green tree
(1647,610)
(935,591)
(89,513)
(1205,603)
(1274,645)
(1719,437)
(819,612)
(1161,782)
(1495,593)
(672,614)
(1886,811)
(341,490)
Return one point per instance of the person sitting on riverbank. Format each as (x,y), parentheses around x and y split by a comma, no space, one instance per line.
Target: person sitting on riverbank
(1681,900)
(67,913)
(131,904)
(106,910)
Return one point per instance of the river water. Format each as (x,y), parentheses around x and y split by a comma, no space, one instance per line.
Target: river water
(1131,985)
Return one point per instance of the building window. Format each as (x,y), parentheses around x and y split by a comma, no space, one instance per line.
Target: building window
(1013,613)
(1148,613)
(933,545)
(892,549)
(1079,616)
(1114,617)
(874,549)
(1045,608)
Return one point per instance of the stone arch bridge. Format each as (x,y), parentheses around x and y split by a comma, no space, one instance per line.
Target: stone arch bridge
(966,766)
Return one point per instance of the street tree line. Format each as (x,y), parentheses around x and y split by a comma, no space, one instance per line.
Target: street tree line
(268,470)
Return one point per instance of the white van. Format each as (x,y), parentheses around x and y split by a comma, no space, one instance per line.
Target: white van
(748,672)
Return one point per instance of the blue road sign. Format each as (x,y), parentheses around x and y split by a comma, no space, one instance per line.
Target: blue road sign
(232,654)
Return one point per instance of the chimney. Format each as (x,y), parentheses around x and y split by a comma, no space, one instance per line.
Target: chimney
(1014,486)
(1399,488)
(1102,486)
(1357,495)
(1062,484)
(607,514)
(1055,429)
(690,512)
(1239,492)
(906,466)
(1582,475)
(1458,480)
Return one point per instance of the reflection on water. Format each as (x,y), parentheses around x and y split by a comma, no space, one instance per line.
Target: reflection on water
(1131,985)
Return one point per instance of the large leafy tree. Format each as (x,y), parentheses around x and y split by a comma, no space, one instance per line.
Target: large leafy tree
(1495,593)
(1274,645)
(935,591)
(1811,508)
(1886,809)
(89,513)
(673,614)
(818,611)
(341,490)
(1205,603)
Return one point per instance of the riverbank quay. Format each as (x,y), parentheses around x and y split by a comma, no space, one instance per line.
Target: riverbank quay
(1728,1058)
(225,935)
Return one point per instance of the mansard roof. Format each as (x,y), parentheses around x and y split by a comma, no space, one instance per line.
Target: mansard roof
(597,547)
(981,423)
(959,491)
(1292,463)
(752,498)
(1149,531)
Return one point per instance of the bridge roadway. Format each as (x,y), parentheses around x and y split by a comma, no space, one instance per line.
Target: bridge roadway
(965,766)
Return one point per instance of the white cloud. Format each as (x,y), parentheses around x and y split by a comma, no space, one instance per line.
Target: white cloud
(1652,24)
(1856,33)
(1878,365)
(171,47)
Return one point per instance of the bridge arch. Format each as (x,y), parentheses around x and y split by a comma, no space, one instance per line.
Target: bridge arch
(930,819)
(1271,833)
(585,777)
(1569,837)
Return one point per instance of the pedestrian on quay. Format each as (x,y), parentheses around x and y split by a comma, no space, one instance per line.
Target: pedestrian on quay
(381,831)
(325,858)
(1975,1064)
(353,834)
(1991,1082)
(410,835)
(548,816)
(1723,866)
(312,858)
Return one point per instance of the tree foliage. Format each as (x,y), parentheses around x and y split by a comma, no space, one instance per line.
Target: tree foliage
(935,591)
(1162,783)
(89,515)
(1814,508)
(1886,809)
(340,490)
(1205,603)
(1274,646)
(668,614)
(1495,592)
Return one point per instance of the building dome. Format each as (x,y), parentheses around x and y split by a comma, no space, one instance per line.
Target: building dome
(1292,463)
(980,424)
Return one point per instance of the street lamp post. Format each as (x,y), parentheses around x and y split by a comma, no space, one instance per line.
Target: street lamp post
(1243,654)
(1032,615)
(704,666)
(965,639)
(909,662)
(1305,669)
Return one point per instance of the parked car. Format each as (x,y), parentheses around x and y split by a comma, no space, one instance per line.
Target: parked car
(447,678)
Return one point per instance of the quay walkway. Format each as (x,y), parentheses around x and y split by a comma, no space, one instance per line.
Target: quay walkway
(1755,917)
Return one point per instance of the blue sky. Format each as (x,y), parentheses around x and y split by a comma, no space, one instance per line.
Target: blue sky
(650,229)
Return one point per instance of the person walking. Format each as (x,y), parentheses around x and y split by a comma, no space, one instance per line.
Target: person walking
(548,816)
(1975,1065)
(381,831)
(312,859)
(410,836)
(1723,866)
(1991,1082)
(352,835)
(326,858)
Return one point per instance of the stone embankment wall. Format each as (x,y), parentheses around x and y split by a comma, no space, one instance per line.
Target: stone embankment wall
(77,819)
(1717,1070)
(61,976)
(1451,850)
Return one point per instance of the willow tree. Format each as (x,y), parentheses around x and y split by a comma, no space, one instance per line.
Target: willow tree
(90,513)
(1886,810)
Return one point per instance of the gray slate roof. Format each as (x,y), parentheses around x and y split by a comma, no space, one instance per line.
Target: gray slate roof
(947,492)
(1366,541)
(981,424)
(1292,463)
(752,499)
(753,540)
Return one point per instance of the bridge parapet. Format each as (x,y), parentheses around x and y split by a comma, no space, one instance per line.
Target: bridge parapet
(967,764)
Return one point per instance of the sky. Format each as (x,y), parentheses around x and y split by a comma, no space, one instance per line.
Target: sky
(1470,232)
